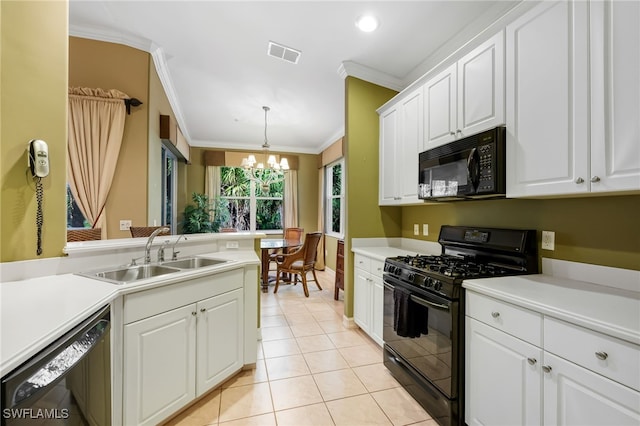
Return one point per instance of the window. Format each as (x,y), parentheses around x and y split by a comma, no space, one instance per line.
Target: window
(169,185)
(334,202)
(250,206)
(75,218)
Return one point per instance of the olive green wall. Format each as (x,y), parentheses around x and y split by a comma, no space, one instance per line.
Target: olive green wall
(330,247)
(597,230)
(98,64)
(307,185)
(364,217)
(33,84)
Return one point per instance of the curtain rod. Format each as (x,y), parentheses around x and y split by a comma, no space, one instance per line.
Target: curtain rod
(131,102)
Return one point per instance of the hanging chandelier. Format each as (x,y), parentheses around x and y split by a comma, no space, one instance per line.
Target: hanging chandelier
(269,171)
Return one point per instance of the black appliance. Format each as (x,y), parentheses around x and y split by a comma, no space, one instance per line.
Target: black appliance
(68,382)
(468,168)
(431,366)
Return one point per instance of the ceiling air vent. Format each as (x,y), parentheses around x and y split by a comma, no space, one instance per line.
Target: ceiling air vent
(283,52)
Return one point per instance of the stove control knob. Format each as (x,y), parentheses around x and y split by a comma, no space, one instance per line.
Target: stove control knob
(411,276)
(428,281)
(437,285)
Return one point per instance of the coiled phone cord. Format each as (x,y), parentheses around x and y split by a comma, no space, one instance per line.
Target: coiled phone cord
(39,218)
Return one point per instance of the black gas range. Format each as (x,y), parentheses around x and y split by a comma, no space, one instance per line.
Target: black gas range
(425,294)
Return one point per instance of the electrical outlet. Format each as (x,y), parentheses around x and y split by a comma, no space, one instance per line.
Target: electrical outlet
(548,240)
(416,229)
(232,244)
(125,225)
(425,229)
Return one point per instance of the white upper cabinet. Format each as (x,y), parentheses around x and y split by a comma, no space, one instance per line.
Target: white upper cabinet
(467,97)
(401,132)
(573,99)
(615,91)
(547,100)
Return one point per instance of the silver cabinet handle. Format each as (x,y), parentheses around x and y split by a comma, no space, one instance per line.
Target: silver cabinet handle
(452,133)
(546,368)
(495,314)
(579,180)
(194,313)
(532,361)
(595,179)
(601,355)
(203,310)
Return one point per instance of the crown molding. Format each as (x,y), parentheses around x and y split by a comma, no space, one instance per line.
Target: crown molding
(110,37)
(353,69)
(253,147)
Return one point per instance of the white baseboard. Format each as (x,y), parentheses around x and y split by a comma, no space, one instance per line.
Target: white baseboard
(348,322)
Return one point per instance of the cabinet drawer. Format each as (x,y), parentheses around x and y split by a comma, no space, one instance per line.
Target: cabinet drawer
(517,321)
(606,355)
(376,267)
(361,262)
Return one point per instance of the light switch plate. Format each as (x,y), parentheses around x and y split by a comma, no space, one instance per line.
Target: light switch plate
(548,240)
(425,229)
(416,229)
(125,225)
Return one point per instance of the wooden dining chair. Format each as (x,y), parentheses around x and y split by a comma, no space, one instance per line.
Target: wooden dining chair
(88,234)
(300,262)
(289,234)
(145,231)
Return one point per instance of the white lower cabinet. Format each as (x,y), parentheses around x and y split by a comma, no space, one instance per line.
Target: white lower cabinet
(368,299)
(172,356)
(577,377)
(503,378)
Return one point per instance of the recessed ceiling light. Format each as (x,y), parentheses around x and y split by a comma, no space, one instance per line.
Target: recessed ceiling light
(367,23)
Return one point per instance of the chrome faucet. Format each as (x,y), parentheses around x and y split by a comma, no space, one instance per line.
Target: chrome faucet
(174,253)
(147,249)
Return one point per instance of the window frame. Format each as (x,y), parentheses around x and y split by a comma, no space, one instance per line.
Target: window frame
(328,198)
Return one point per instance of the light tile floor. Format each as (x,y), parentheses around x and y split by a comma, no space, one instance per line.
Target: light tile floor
(311,370)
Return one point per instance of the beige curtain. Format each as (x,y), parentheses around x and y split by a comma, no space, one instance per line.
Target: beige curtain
(290,199)
(96,125)
(320,259)
(212,184)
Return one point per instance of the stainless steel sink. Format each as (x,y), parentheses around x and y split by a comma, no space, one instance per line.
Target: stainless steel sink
(193,262)
(131,273)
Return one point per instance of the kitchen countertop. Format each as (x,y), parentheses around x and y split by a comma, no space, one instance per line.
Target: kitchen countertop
(612,311)
(35,312)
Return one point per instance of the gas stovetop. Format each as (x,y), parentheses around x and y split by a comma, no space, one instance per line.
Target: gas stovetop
(467,253)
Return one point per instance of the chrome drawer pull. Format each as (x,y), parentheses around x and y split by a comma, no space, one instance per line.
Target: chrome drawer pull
(602,355)
(495,314)
(546,368)
(532,361)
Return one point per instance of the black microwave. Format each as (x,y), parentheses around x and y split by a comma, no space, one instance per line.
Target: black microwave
(469,168)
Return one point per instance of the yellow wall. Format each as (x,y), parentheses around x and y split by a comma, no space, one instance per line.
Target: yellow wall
(597,230)
(114,66)
(364,217)
(33,83)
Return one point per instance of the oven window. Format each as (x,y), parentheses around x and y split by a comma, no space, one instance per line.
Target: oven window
(429,354)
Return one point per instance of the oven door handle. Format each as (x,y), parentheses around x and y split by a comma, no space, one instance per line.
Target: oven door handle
(421,301)
(428,304)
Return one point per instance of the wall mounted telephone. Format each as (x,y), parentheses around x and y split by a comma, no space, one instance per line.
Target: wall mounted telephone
(38,159)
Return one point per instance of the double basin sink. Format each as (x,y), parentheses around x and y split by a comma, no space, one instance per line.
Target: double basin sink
(131,273)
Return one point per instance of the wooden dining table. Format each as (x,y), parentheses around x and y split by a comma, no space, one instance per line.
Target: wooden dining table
(267,245)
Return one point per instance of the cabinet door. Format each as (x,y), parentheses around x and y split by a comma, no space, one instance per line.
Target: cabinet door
(615,88)
(362,299)
(440,108)
(576,396)
(481,87)
(547,100)
(503,378)
(159,366)
(387,190)
(219,334)
(410,145)
(377,309)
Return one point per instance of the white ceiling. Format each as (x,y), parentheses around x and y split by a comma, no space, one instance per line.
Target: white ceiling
(212,58)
